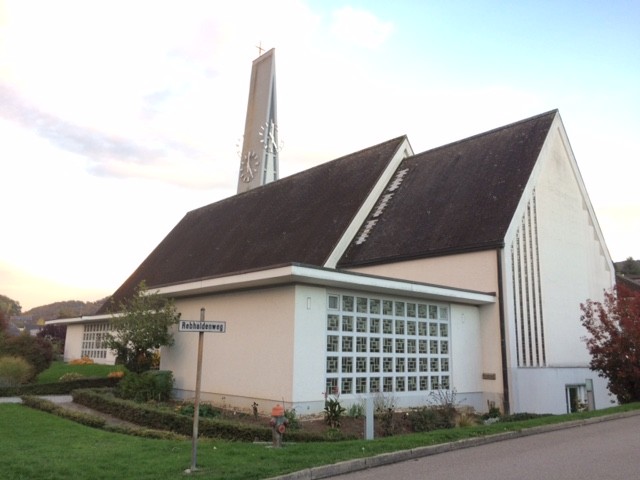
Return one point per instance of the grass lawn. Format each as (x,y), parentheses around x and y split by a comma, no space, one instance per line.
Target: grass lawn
(43,446)
(58,369)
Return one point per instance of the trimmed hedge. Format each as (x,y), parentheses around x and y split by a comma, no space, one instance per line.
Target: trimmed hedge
(50,407)
(156,418)
(164,419)
(57,388)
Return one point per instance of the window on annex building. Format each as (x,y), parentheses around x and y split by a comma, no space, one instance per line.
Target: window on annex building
(381,344)
(93,339)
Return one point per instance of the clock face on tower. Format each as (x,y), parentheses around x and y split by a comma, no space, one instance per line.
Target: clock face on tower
(249,166)
(269,137)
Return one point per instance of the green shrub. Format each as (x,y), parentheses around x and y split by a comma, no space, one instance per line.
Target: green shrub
(146,386)
(206,410)
(356,410)
(37,351)
(428,418)
(423,419)
(14,371)
(386,420)
(292,419)
(333,411)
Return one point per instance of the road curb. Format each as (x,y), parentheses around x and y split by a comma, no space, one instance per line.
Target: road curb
(348,466)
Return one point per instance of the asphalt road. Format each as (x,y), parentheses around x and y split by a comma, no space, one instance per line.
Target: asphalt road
(604,451)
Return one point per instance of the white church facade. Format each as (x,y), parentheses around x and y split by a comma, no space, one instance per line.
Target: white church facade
(386,272)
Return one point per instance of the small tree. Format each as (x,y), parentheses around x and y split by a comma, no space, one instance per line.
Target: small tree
(56,334)
(37,351)
(614,341)
(141,328)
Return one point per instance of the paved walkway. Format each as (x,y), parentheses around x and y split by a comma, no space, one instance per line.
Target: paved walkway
(51,398)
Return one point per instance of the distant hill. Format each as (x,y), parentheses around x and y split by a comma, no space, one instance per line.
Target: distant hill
(66,309)
(15,319)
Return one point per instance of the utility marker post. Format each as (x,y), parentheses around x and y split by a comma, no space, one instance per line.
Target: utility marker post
(201,327)
(196,402)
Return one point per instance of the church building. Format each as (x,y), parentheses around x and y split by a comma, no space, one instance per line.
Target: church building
(385,273)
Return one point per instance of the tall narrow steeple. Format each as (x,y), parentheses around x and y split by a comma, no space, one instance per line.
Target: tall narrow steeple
(259,154)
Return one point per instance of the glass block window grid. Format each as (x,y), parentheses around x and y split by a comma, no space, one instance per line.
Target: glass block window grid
(93,338)
(386,345)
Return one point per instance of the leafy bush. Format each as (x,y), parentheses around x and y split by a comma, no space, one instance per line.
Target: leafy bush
(150,385)
(333,411)
(386,419)
(14,371)
(37,351)
(424,419)
(206,410)
(292,419)
(356,410)
(493,411)
(446,404)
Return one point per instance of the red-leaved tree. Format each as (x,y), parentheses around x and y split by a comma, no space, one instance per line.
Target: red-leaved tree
(614,341)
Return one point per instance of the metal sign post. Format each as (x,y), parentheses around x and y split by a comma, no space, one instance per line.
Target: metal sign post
(201,327)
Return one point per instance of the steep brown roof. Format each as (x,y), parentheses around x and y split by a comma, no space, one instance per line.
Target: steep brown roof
(298,219)
(455,198)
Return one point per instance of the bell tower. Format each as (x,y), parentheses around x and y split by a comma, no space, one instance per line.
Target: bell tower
(259,154)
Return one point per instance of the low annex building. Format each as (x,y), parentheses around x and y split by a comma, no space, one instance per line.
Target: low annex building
(386,272)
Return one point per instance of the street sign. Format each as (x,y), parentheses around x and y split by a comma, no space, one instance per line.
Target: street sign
(201,326)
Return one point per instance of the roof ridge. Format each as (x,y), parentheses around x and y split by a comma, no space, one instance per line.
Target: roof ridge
(493,130)
(357,152)
(397,139)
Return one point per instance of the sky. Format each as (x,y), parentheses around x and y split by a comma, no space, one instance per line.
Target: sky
(119,117)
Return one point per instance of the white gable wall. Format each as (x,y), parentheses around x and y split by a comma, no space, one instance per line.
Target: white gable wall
(575,265)
(556,234)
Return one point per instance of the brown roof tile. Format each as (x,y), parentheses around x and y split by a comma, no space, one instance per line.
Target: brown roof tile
(455,198)
(298,219)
